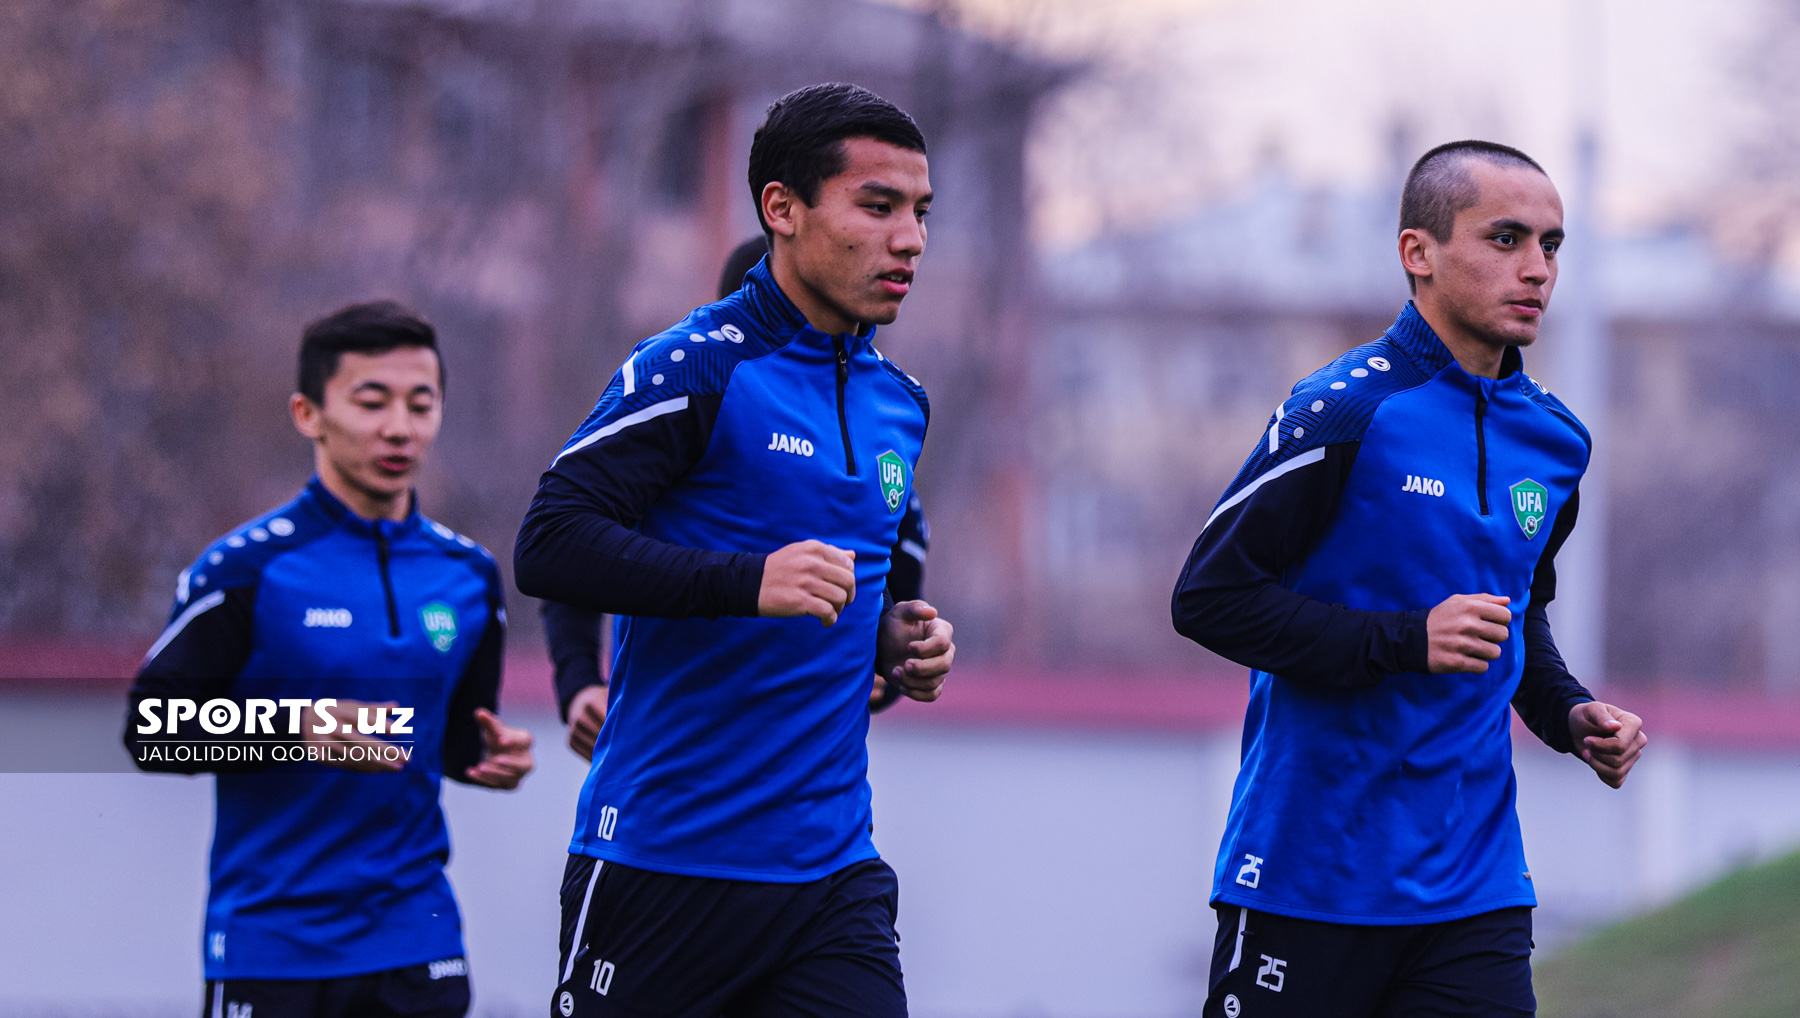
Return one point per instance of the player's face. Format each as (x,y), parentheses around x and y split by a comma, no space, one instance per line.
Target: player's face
(1495,274)
(381,413)
(857,246)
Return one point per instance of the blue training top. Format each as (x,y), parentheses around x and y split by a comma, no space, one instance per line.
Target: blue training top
(1371,791)
(319,872)
(734,746)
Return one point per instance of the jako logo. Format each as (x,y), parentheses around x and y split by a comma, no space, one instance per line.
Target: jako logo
(1423,485)
(788,443)
(448,967)
(330,618)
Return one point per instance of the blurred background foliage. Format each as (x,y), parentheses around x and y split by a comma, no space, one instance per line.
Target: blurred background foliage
(1153,217)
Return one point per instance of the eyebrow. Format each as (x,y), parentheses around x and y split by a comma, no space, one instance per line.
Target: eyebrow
(891,193)
(1514,226)
(382,389)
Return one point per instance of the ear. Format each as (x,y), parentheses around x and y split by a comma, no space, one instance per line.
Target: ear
(1417,248)
(307,416)
(780,206)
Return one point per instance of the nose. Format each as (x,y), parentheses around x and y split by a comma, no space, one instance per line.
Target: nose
(397,423)
(1536,270)
(909,240)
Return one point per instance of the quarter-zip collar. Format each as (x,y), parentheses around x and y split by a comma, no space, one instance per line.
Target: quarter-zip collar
(1415,338)
(761,297)
(328,505)
(1419,341)
(764,300)
(383,533)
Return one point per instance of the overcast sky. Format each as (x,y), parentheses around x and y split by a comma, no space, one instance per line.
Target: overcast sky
(1190,99)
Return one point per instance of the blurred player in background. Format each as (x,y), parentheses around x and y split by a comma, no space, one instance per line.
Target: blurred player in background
(576,635)
(1383,563)
(328,896)
(734,498)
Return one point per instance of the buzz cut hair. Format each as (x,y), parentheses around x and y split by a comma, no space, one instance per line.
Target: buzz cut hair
(1440,185)
(801,140)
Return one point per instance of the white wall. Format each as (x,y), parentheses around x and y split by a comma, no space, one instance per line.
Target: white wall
(1043,872)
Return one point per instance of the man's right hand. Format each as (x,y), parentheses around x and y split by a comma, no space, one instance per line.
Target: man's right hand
(587,712)
(807,578)
(1466,632)
(336,744)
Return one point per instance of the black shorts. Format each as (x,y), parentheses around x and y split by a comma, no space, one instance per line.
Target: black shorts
(438,989)
(640,943)
(1271,966)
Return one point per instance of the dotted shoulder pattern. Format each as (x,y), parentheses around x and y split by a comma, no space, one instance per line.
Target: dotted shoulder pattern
(238,558)
(1332,405)
(694,357)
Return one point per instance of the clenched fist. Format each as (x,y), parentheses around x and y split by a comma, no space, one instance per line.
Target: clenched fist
(1466,632)
(807,578)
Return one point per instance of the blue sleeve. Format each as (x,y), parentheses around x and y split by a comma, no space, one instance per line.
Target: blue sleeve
(1230,598)
(578,545)
(573,635)
(1547,692)
(197,657)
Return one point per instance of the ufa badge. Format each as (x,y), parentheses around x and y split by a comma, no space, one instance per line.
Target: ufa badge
(892,473)
(1530,502)
(440,625)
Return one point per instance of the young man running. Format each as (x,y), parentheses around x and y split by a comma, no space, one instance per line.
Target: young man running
(328,895)
(574,634)
(1383,563)
(733,498)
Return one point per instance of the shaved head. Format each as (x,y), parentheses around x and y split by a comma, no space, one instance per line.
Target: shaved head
(1440,184)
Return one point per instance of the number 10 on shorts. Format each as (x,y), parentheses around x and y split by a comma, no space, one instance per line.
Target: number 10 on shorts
(601,980)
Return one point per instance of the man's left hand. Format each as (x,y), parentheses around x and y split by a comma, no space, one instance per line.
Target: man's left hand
(506,753)
(914,649)
(1608,738)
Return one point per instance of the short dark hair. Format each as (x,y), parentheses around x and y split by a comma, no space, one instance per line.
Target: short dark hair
(1440,185)
(801,140)
(372,327)
(738,264)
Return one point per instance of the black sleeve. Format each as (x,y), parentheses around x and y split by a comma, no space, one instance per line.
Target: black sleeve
(574,638)
(890,693)
(577,544)
(906,569)
(1230,598)
(906,579)
(1547,692)
(478,687)
(198,658)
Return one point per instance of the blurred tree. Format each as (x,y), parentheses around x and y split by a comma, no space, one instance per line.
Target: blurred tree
(1756,214)
(132,178)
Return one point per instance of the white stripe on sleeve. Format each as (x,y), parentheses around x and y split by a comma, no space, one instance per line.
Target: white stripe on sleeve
(913,548)
(650,412)
(207,603)
(630,373)
(1304,459)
